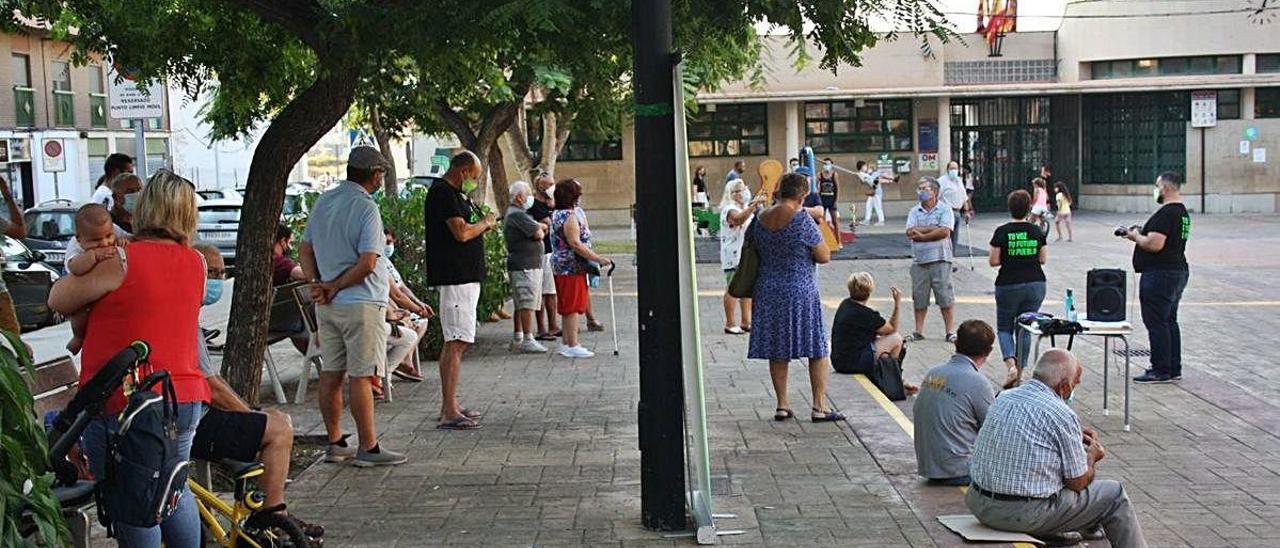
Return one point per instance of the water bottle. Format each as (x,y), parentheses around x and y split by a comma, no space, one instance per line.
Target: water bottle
(1069,306)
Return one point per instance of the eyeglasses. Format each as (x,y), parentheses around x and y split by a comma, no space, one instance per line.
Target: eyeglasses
(216,273)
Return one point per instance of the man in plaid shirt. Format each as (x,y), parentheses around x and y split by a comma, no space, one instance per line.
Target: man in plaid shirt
(1033,464)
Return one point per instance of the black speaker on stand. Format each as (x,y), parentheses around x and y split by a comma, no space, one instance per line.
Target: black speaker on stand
(1105,295)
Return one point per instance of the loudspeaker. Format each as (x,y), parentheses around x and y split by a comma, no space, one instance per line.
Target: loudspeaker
(1105,295)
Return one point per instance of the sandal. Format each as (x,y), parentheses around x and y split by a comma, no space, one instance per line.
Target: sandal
(1013,378)
(545,337)
(410,376)
(471,413)
(951,337)
(460,423)
(783,414)
(915,337)
(826,416)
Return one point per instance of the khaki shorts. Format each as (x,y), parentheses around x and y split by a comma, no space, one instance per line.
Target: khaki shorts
(526,289)
(458,312)
(353,338)
(933,277)
(548,277)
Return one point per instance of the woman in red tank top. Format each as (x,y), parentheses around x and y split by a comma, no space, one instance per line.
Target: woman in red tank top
(153,295)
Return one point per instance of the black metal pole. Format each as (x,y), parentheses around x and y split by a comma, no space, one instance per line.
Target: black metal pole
(661,408)
(1204,184)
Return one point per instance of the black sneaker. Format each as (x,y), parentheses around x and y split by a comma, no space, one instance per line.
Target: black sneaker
(1176,377)
(1152,377)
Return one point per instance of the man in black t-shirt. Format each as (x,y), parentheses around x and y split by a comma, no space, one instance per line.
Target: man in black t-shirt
(1160,256)
(455,266)
(544,202)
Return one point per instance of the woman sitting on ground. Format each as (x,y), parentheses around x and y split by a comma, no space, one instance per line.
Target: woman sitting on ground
(860,335)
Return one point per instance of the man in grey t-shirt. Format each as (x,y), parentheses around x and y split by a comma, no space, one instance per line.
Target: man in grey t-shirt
(951,406)
(929,225)
(524,264)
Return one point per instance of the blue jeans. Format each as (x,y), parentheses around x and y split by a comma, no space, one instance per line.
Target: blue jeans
(1012,301)
(1159,292)
(182,529)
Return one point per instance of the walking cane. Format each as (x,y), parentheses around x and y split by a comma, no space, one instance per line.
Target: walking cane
(968,242)
(613,314)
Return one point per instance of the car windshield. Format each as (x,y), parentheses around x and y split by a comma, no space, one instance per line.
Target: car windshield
(210,194)
(292,204)
(212,215)
(51,225)
(13,249)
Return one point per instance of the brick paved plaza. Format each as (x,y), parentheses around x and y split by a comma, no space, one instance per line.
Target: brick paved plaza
(557,463)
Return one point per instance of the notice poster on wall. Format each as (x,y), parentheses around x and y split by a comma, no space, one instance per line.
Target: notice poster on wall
(928,161)
(1244,147)
(1259,155)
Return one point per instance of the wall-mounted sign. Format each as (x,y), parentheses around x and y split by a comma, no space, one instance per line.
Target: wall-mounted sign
(1244,147)
(902,165)
(928,135)
(1251,134)
(19,150)
(1259,155)
(55,158)
(928,161)
(1204,108)
(4,151)
(128,102)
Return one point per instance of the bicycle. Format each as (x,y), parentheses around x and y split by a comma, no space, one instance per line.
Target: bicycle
(227,524)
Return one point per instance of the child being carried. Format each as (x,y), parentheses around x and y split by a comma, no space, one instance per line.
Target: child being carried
(96,235)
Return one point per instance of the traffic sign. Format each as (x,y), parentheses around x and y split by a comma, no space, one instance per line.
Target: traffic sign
(55,158)
(128,102)
(1204,108)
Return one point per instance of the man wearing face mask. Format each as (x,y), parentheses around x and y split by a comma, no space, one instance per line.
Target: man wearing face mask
(929,224)
(524,238)
(792,165)
(1159,254)
(954,196)
(544,201)
(339,252)
(455,266)
(1033,465)
(125,189)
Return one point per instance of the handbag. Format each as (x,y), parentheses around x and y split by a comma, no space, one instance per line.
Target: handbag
(886,374)
(744,276)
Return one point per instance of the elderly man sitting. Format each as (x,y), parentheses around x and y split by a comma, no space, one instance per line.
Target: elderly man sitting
(1033,464)
(951,406)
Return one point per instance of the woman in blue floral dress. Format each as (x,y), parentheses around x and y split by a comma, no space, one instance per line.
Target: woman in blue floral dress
(787,308)
(571,251)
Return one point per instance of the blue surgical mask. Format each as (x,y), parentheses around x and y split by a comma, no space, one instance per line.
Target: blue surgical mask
(827,167)
(923,195)
(388,250)
(953,173)
(131,201)
(212,291)
(528,202)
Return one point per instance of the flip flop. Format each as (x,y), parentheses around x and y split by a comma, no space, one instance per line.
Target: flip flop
(460,423)
(406,376)
(471,413)
(826,416)
(783,414)
(545,337)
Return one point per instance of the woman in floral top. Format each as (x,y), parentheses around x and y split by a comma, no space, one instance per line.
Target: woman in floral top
(570,256)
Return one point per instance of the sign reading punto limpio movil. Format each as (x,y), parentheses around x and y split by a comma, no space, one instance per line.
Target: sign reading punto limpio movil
(128,102)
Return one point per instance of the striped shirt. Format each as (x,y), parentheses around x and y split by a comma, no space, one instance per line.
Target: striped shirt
(1030,442)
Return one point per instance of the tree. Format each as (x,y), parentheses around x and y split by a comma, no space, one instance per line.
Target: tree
(449,65)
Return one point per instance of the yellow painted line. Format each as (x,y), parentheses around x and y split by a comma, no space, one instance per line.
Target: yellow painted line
(896,414)
(907,426)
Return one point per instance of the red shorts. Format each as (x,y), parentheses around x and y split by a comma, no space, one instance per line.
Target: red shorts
(571,294)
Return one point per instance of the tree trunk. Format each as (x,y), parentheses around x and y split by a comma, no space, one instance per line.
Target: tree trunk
(482,140)
(498,176)
(299,126)
(517,137)
(383,137)
(553,141)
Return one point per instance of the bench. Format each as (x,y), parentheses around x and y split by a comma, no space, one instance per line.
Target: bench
(284,310)
(306,307)
(53,386)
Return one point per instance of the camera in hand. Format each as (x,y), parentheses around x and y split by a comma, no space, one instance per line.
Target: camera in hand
(1122,231)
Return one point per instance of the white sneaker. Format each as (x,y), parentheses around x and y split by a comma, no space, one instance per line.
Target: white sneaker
(576,352)
(532,347)
(881,223)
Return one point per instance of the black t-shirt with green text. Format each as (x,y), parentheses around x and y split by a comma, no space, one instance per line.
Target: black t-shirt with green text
(1174,222)
(1019,243)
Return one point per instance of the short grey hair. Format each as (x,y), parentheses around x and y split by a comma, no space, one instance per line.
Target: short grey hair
(933,183)
(519,187)
(1056,365)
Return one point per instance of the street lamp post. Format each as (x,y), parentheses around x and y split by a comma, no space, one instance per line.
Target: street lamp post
(661,407)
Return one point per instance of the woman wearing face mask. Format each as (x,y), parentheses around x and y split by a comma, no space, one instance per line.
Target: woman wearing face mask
(737,209)
(829,193)
(162,268)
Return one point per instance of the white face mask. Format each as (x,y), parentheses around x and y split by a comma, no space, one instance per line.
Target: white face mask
(388,250)
(1155,195)
(528,202)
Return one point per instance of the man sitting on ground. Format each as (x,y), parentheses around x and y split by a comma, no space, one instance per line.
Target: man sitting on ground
(1033,464)
(231,429)
(951,406)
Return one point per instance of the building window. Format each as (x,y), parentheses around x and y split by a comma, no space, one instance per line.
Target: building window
(1228,104)
(64,110)
(157,154)
(1167,66)
(729,130)
(1131,138)
(97,97)
(576,148)
(858,126)
(1267,62)
(24,99)
(1266,103)
(97,148)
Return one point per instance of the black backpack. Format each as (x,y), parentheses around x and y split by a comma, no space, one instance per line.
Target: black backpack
(886,374)
(144,475)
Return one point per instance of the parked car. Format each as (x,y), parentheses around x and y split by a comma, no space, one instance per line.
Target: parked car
(424,181)
(50,225)
(28,280)
(215,194)
(219,225)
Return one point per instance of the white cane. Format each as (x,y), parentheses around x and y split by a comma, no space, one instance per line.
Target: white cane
(968,242)
(613,314)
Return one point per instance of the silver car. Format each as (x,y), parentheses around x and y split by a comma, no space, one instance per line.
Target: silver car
(219,225)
